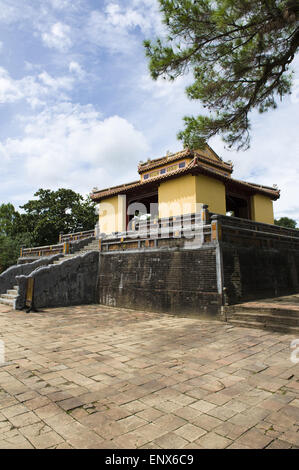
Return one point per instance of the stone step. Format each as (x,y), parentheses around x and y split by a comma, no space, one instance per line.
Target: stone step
(260,317)
(8,296)
(4,301)
(16,288)
(84,250)
(67,257)
(12,292)
(258,325)
(89,248)
(263,310)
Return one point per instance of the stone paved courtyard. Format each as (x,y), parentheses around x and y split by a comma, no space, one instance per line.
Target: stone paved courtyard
(100,377)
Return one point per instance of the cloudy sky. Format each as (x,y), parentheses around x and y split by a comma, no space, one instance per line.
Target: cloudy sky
(79,110)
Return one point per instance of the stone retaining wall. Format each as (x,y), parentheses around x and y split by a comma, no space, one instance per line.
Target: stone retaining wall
(178,281)
(251,273)
(8,277)
(72,282)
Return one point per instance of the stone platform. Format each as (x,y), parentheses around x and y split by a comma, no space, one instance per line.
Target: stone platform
(100,377)
(278,314)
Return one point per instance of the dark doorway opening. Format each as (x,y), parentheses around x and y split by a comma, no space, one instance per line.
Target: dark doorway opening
(141,205)
(237,206)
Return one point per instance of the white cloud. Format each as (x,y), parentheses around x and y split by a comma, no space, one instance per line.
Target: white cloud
(117,26)
(76,69)
(162,89)
(8,12)
(72,146)
(56,83)
(126,19)
(34,89)
(63,4)
(58,37)
(9,89)
(272,158)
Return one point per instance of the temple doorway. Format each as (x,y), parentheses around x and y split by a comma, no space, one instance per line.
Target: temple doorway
(142,205)
(238,206)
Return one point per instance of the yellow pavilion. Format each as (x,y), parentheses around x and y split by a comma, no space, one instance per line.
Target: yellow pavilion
(176,183)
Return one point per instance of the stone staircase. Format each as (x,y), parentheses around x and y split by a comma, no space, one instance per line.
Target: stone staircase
(283,318)
(92,246)
(10,297)
(9,293)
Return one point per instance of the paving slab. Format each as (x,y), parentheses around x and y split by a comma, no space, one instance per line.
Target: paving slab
(93,376)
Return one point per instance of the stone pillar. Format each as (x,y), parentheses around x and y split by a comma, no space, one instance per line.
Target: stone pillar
(97,230)
(216,228)
(122,213)
(216,236)
(205,214)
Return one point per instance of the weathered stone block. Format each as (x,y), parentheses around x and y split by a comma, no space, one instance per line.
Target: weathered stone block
(72,282)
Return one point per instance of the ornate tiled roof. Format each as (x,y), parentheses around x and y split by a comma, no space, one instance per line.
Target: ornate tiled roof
(195,167)
(187,153)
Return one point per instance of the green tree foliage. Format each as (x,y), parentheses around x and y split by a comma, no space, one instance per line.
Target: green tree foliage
(57,211)
(286,222)
(12,236)
(8,217)
(10,248)
(42,220)
(239,52)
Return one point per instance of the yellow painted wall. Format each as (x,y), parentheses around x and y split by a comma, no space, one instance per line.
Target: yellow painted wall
(177,196)
(180,195)
(108,215)
(212,192)
(262,209)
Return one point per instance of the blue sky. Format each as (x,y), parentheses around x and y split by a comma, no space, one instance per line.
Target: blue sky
(79,110)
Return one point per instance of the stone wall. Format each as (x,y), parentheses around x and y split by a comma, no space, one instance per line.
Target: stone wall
(254,273)
(177,281)
(72,282)
(8,277)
